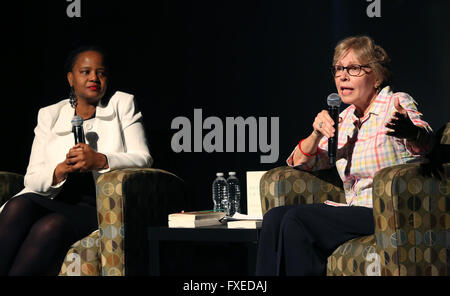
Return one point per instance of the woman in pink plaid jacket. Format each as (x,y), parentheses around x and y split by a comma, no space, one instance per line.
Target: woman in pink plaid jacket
(380,128)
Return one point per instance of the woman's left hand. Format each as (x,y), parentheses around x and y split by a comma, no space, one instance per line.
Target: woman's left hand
(83,158)
(400,125)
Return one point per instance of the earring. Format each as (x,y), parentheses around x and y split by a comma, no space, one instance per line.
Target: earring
(72,98)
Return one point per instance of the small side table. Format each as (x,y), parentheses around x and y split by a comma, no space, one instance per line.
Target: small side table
(158,234)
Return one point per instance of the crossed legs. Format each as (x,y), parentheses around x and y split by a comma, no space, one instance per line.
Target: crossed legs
(33,240)
(297,240)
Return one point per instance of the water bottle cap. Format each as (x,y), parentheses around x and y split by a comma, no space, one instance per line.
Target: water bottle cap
(231,173)
(219,174)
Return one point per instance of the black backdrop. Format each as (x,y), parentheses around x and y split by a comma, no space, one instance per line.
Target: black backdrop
(229,58)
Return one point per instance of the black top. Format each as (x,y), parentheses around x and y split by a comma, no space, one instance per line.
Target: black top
(76,201)
(78,188)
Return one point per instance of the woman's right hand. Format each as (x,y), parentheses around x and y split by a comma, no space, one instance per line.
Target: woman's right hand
(61,171)
(324,125)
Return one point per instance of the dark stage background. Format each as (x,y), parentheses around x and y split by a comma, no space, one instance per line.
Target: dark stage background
(229,58)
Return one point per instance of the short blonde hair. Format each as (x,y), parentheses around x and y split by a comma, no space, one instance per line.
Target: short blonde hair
(366,52)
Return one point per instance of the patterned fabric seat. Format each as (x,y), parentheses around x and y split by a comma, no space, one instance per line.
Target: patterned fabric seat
(411,213)
(128,201)
(84,257)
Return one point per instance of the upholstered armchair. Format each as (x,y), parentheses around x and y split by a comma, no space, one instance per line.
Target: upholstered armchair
(411,213)
(128,201)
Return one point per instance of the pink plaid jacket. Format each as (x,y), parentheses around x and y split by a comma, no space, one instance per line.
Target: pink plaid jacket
(364,149)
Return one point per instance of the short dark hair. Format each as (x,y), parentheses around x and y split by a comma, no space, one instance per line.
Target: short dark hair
(73,55)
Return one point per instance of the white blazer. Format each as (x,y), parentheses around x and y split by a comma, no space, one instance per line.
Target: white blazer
(116,131)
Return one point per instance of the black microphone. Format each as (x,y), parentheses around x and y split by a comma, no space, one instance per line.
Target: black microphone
(334,102)
(77,129)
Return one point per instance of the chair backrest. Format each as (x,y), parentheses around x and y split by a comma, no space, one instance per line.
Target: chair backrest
(10,184)
(440,154)
(445,135)
(444,143)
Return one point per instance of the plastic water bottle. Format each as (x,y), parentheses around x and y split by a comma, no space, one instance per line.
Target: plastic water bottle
(220,194)
(234,193)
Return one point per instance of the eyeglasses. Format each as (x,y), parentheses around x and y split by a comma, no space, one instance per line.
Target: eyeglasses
(352,70)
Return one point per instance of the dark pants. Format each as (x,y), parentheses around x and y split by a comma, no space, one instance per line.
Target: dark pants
(298,239)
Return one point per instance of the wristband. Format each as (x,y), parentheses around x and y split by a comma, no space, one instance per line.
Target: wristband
(304,153)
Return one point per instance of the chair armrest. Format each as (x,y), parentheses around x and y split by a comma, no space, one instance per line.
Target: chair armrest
(128,201)
(411,220)
(287,186)
(10,184)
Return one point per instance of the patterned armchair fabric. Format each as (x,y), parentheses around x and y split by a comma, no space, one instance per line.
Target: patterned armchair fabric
(128,201)
(412,221)
(411,214)
(84,257)
(287,186)
(445,139)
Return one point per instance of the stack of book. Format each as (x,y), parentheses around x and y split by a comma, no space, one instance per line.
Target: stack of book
(195,219)
(245,224)
(244,221)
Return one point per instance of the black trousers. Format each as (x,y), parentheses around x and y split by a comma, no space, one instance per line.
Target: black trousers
(297,240)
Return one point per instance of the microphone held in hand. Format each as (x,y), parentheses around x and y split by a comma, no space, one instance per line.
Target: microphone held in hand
(334,102)
(77,129)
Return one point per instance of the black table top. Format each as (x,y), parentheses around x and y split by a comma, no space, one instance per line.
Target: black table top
(210,233)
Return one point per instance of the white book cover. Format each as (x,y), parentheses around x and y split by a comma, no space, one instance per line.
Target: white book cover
(253,193)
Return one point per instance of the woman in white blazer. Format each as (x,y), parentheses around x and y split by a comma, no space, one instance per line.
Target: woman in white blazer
(57,206)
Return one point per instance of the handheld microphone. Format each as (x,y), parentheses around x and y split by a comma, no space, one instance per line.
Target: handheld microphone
(77,129)
(334,102)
